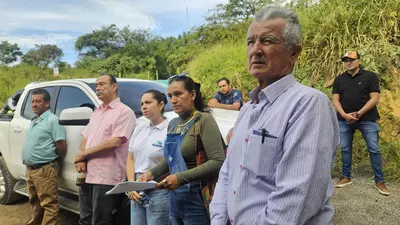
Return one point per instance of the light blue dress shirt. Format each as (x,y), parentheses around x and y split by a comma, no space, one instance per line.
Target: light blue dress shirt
(40,141)
(278,167)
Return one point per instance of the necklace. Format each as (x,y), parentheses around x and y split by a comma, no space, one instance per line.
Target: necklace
(181,126)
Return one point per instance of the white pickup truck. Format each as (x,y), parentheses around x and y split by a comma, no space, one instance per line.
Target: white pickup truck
(73,102)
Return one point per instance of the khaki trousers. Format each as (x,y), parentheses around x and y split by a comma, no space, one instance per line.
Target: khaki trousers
(42,186)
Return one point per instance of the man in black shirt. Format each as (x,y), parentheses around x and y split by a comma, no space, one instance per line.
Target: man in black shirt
(355,95)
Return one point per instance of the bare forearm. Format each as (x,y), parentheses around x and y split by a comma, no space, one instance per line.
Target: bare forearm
(234,106)
(368,106)
(130,167)
(61,147)
(338,107)
(83,144)
(110,144)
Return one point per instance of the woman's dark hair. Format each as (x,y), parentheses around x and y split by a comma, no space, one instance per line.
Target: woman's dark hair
(190,85)
(159,97)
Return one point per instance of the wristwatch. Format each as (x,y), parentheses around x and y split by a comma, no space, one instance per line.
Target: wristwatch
(357,115)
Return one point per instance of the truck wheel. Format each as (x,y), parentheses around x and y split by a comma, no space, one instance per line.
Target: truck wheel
(7,182)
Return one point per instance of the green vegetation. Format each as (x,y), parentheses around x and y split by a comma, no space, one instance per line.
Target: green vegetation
(217,48)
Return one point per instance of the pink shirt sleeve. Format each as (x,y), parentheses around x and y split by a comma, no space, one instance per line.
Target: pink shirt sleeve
(125,125)
(85,131)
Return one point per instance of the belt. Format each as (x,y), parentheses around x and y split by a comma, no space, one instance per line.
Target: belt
(38,166)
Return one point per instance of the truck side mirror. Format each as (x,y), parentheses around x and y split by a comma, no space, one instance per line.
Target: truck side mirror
(79,116)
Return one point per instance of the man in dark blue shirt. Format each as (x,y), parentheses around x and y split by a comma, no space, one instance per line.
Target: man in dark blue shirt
(226,97)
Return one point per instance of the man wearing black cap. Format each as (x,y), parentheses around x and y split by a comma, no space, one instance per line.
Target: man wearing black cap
(355,95)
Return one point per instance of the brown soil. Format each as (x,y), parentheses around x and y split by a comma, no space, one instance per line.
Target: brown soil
(18,214)
(359,203)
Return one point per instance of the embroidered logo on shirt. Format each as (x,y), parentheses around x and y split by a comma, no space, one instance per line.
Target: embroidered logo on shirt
(157,144)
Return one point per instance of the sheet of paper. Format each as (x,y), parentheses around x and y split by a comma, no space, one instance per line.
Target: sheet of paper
(131,186)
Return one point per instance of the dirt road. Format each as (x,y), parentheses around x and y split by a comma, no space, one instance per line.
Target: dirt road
(357,204)
(18,213)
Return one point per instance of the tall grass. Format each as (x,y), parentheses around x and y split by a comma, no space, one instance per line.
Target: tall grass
(330,28)
(225,60)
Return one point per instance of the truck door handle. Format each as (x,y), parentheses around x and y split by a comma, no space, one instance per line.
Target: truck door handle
(17,129)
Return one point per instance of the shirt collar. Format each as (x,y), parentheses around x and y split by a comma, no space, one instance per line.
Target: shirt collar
(43,116)
(360,71)
(159,126)
(111,104)
(273,91)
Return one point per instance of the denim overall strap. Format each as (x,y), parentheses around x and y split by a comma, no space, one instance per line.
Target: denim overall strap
(187,194)
(172,149)
(172,153)
(176,163)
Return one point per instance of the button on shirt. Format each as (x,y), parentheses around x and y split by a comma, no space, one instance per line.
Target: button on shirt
(280,175)
(112,120)
(147,145)
(40,141)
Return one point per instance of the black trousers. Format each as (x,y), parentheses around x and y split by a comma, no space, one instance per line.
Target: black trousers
(96,208)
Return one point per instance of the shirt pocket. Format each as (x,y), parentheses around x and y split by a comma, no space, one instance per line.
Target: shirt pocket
(261,157)
(107,131)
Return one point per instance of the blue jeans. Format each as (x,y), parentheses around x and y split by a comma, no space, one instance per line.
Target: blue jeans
(157,212)
(370,132)
(187,206)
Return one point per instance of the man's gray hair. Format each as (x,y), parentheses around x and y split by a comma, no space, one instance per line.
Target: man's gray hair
(292,32)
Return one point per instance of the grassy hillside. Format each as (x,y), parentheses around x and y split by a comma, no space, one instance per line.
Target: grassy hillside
(330,27)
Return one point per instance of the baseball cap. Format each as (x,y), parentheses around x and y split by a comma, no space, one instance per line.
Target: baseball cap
(351,55)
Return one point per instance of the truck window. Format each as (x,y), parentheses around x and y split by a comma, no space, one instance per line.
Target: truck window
(71,97)
(131,92)
(27,107)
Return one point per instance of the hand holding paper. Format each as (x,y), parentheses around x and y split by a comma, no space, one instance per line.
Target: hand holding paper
(131,186)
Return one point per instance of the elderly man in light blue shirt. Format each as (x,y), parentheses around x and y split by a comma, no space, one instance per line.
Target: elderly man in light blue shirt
(278,168)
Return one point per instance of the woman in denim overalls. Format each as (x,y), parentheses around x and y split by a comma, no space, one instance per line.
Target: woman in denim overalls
(186,202)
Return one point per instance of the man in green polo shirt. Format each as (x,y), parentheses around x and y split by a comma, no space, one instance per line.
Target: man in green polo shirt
(44,142)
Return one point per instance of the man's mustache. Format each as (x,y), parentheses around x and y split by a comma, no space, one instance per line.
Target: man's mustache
(99,93)
(259,61)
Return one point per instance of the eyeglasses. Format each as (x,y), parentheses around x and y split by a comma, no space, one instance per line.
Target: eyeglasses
(177,75)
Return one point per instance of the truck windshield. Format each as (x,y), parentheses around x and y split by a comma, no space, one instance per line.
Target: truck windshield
(131,92)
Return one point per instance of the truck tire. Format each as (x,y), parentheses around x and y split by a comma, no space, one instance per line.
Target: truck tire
(7,182)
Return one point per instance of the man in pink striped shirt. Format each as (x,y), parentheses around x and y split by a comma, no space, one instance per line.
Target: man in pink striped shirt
(103,153)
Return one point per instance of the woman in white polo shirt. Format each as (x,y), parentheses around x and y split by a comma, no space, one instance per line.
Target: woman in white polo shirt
(145,151)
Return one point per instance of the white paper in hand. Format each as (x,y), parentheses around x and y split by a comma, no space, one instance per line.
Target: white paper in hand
(131,186)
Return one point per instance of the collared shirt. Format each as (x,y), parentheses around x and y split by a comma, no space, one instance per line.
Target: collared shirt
(234,96)
(283,176)
(112,120)
(147,145)
(40,141)
(354,92)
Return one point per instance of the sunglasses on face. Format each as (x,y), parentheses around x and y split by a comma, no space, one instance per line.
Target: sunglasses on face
(349,60)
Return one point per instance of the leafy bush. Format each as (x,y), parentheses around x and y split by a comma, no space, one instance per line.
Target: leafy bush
(225,60)
(330,27)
